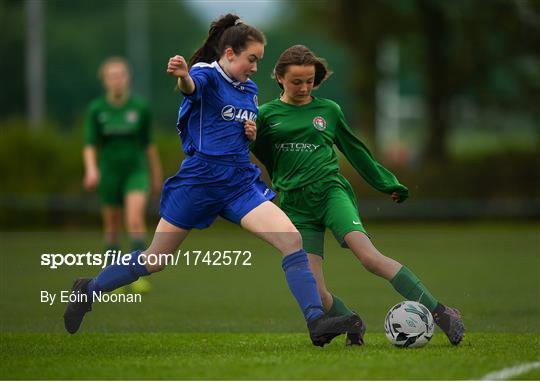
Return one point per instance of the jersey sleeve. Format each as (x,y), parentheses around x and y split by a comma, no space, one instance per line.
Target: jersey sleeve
(262,147)
(362,160)
(91,127)
(203,76)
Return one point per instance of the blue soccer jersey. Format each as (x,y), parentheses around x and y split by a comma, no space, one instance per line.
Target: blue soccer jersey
(211,119)
(217,177)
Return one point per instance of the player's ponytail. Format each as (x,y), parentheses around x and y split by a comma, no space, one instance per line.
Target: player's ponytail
(301,55)
(227,31)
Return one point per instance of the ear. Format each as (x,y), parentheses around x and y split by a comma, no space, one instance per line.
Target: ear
(229,53)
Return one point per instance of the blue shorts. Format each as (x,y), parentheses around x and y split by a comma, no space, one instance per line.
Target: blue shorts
(206,187)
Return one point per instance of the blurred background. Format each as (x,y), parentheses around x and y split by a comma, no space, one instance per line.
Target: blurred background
(446,94)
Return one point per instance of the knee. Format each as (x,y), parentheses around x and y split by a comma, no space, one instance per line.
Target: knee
(296,240)
(289,242)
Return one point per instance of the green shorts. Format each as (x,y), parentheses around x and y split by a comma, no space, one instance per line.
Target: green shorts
(328,203)
(115,184)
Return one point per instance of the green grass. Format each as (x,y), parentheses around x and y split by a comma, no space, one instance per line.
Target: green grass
(254,356)
(241,322)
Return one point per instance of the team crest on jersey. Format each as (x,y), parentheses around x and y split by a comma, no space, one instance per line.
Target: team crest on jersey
(228,112)
(256,100)
(132,116)
(319,123)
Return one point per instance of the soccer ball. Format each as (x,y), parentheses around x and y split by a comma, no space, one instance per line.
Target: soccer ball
(409,324)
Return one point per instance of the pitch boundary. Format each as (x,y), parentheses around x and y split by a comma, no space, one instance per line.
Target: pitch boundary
(510,372)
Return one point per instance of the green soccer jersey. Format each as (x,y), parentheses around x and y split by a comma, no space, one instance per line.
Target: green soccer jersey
(121,134)
(295,144)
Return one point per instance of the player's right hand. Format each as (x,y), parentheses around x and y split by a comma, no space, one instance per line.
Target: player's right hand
(177,67)
(91,180)
(250,129)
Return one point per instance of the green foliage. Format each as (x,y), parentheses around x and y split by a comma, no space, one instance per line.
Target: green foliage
(49,160)
(12,62)
(43,161)
(448,51)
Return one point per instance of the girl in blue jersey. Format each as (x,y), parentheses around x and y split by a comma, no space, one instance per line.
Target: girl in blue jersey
(216,124)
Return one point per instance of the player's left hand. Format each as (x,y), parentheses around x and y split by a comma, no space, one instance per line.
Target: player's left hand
(400,194)
(397,198)
(250,128)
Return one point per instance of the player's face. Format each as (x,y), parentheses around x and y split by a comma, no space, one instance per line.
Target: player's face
(116,78)
(298,83)
(244,65)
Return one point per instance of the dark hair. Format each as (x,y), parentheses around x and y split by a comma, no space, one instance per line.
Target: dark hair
(301,55)
(227,31)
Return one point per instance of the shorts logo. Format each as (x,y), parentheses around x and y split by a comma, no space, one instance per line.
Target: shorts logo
(228,112)
(319,123)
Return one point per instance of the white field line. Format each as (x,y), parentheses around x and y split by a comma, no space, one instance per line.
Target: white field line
(510,372)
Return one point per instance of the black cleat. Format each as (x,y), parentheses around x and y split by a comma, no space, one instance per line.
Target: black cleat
(355,336)
(450,322)
(75,311)
(324,328)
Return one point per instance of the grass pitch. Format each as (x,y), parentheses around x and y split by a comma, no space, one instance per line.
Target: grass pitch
(209,322)
(253,356)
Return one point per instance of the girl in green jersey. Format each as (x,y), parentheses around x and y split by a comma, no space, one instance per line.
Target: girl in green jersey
(295,139)
(117,127)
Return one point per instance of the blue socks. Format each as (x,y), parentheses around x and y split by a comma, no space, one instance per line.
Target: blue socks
(302,284)
(296,266)
(117,275)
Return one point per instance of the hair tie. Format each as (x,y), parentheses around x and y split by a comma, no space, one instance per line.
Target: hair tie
(238,21)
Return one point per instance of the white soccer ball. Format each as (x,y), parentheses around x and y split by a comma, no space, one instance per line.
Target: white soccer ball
(409,324)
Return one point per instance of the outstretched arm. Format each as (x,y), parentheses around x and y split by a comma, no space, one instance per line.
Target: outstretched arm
(177,67)
(362,160)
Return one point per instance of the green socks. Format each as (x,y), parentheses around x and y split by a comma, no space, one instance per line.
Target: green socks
(405,283)
(409,286)
(338,307)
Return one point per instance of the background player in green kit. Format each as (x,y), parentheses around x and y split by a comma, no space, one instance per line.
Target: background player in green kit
(295,139)
(117,127)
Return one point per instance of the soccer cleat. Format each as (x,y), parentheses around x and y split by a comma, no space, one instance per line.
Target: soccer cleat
(142,285)
(76,310)
(120,290)
(355,336)
(450,322)
(324,328)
